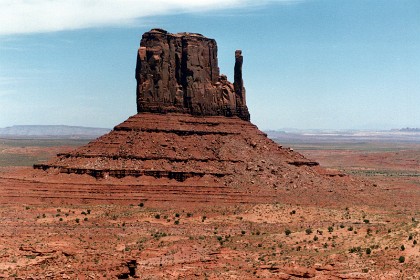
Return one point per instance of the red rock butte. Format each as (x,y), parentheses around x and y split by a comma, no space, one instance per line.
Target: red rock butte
(192,129)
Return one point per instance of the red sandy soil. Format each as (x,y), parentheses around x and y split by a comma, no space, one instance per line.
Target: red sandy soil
(68,226)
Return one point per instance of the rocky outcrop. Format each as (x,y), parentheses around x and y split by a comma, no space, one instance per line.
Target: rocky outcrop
(178,77)
(180,73)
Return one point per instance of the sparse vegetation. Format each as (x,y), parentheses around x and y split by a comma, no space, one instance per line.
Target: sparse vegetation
(262,238)
(355,249)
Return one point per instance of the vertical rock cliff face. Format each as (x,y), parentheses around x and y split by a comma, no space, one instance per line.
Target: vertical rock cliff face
(180,73)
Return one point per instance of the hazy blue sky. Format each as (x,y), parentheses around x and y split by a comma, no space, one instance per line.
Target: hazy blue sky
(332,64)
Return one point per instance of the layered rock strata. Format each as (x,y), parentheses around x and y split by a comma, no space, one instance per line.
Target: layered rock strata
(175,146)
(180,73)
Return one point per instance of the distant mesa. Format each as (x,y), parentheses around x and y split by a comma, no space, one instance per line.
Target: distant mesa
(180,73)
(409,129)
(52,131)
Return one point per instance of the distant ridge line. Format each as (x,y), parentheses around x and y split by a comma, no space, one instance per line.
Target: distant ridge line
(52,131)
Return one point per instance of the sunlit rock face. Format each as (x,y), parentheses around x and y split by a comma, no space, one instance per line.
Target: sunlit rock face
(180,73)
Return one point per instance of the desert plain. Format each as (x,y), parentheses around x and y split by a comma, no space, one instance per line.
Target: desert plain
(363,224)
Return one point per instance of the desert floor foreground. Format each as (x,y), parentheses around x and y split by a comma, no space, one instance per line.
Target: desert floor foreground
(93,230)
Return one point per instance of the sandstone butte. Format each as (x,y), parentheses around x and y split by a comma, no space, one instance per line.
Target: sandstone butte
(227,194)
(191,135)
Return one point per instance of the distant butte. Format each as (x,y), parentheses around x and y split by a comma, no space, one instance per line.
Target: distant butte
(192,123)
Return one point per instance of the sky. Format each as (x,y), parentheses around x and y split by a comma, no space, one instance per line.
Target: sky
(308,64)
